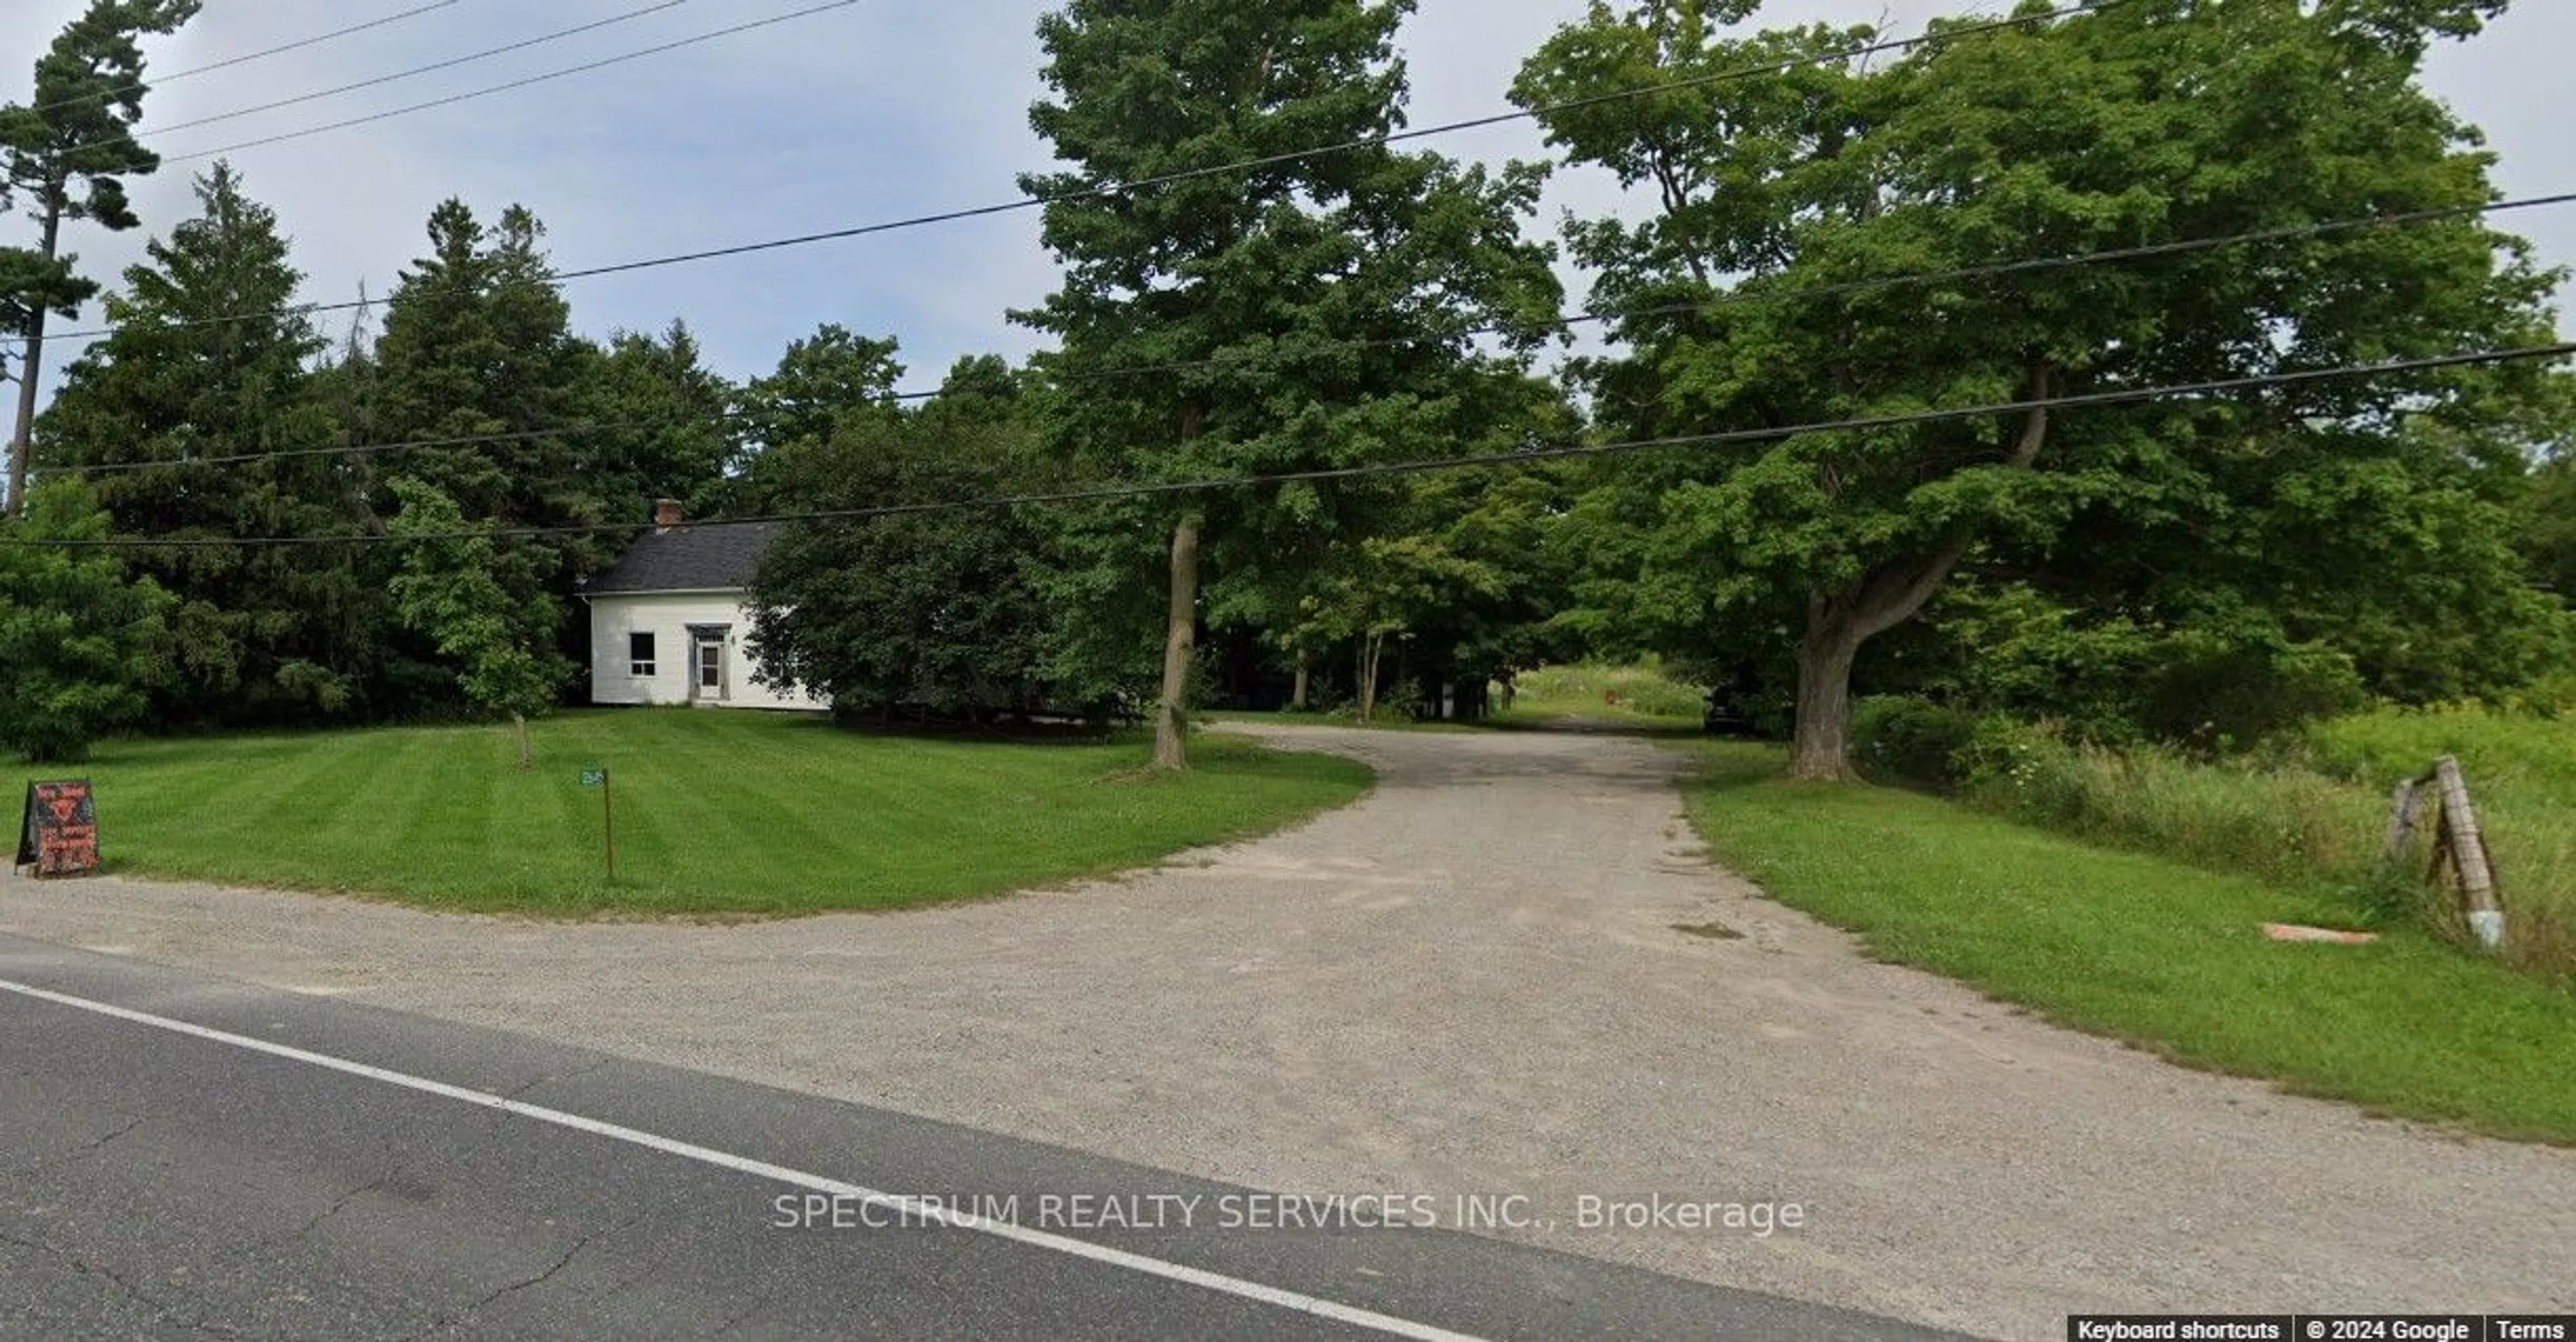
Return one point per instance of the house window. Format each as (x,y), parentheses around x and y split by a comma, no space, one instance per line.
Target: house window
(639,654)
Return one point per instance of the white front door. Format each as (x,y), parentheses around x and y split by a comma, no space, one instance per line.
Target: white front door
(708,670)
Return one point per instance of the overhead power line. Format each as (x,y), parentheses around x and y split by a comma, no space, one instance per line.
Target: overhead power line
(1420,466)
(1737,298)
(514,84)
(1217,170)
(162,81)
(1845,288)
(380,80)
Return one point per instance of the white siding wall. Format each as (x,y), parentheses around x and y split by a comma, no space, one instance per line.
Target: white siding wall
(667,617)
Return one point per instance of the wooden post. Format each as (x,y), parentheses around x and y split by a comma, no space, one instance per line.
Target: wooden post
(2469,854)
(2407,809)
(608,814)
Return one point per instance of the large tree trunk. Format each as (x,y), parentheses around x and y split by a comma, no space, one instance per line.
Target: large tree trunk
(1180,636)
(1821,747)
(1304,676)
(1838,623)
(31,359)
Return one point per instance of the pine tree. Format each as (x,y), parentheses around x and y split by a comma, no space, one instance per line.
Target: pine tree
(211,362)
(66,155)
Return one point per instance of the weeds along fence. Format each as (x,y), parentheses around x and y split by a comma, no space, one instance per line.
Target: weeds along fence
(2459,860)
(2318,816)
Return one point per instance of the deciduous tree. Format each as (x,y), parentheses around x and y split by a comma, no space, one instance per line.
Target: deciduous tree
(1243,290)
(935,611)
(453,588)
(80,642)
(2153,121)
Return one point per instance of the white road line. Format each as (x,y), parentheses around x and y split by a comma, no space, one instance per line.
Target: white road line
(761,1169)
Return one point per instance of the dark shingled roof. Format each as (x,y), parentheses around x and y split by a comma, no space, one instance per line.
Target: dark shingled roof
(691,559)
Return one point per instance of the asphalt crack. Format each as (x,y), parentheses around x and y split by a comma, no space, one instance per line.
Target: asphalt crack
(538,1280)
(161,1313)
(75,1156)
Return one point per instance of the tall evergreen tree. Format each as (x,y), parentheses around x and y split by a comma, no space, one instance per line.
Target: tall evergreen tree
(1270,270)
(210,361)
(478,359)
(65,155)
(672,439)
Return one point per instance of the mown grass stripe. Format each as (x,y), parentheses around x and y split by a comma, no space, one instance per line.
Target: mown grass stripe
(716,812)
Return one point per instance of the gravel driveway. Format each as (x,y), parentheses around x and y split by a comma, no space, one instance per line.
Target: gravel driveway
(1472,982)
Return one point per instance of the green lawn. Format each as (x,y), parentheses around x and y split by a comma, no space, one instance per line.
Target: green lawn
(717,813)
(2156,952)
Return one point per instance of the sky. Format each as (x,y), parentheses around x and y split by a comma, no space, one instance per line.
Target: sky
(862,113)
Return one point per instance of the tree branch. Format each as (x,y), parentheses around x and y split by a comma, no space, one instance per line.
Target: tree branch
(1892,593)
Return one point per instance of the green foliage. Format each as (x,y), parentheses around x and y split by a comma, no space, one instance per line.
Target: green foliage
(79,643)
(822,382)
(821,819)
(2220,677)
(1378,591)
(64,155)
(1270,273)
(1897,738)
(2136,124)
(2155,951)
(939,611)
(672,442)
(76,131)
(210,359)
(2548,503)
(1642,694)
(2309,813)
(2552,514)
(478,346)
(2522,776)
(454,587)
(2287,827)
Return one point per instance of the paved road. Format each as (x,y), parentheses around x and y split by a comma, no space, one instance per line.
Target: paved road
(184,1157)
(1472,982)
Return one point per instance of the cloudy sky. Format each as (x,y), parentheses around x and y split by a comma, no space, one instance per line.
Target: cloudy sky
(860,113)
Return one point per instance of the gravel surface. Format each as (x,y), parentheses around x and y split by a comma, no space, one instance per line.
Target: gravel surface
(1472,982)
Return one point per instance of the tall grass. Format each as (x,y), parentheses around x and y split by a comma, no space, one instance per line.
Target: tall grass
(2522,775)
(1641,692)
(2285,826)
(2313,815)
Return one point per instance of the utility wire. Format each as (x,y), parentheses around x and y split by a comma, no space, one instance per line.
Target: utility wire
(1735,298)
(1168,179)
(513,85)
(1841,288)
(160,81)
(1420,466)
(380,80)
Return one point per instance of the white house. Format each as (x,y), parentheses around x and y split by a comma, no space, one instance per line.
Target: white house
(670,623)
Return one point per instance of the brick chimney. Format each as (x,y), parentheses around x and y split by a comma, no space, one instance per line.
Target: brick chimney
(667,517)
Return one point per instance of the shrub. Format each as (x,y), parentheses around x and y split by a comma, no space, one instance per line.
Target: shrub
(2222,694)
(1910,740)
